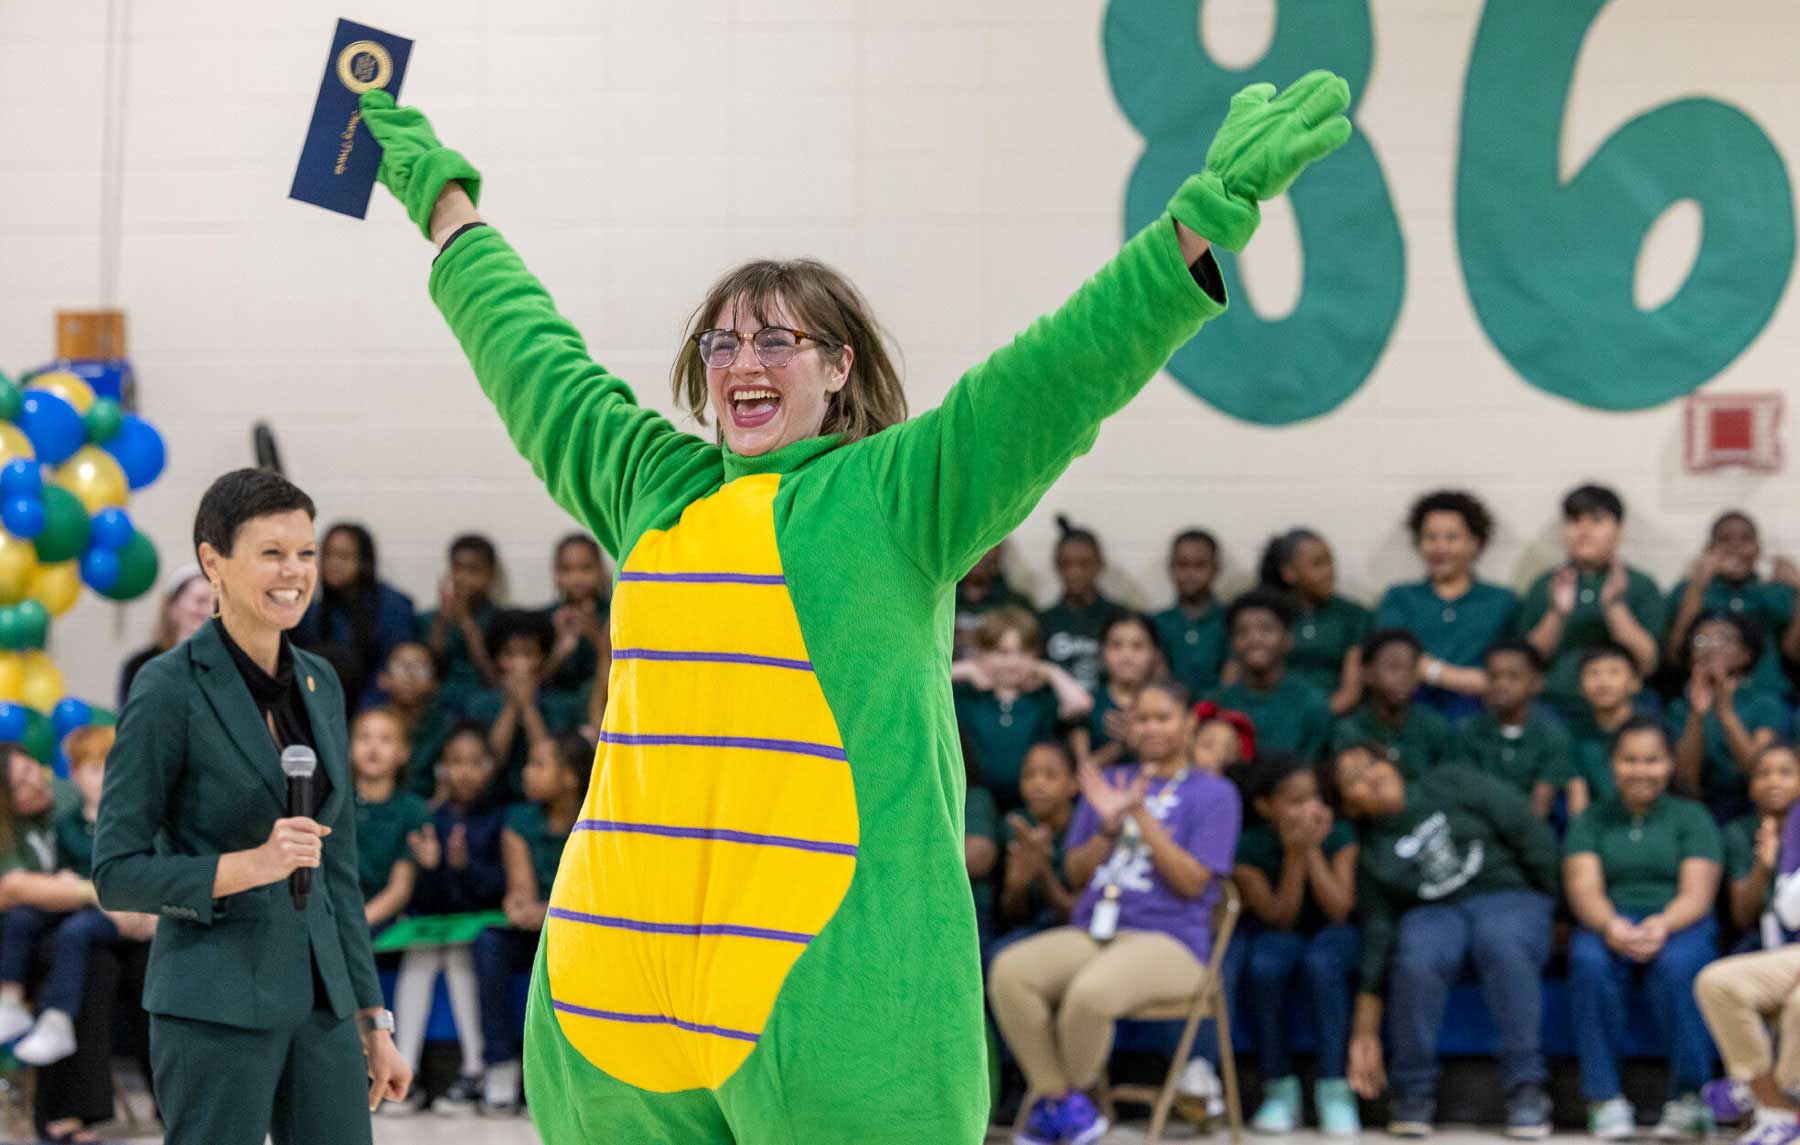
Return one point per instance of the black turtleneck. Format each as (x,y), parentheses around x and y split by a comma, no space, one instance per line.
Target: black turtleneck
(278,700)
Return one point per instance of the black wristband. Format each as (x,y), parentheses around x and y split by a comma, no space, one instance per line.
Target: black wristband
(458,233)
(1205,270)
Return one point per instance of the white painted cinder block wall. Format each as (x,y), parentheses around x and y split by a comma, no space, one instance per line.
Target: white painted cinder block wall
(963,160)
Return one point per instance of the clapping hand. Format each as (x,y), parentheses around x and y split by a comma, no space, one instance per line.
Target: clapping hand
(1111,798)
(426,851)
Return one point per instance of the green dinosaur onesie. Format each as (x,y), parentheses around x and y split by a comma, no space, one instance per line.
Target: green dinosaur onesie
(761,931)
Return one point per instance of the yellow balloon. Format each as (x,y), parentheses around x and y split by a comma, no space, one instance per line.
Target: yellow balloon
(12,677)
(95,478)
(41,686)
(66,386)
(13,443)
(56,586)
(18,561)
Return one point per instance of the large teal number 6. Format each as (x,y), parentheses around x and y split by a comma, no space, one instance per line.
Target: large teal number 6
(1303,365)
(1550,265)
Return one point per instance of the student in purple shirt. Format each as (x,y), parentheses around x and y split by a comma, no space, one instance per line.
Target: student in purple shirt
(1149,843)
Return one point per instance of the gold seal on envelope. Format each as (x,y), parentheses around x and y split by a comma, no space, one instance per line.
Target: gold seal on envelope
(364,65)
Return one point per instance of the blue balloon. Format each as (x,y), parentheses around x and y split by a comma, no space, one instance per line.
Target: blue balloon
(70,714)
(138,449)
(111,530)
(22,477)
(13,722)
(100,569)
(55,429)
(23,516)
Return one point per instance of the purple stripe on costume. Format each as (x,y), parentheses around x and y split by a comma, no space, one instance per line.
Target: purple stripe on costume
(704,577)
(710,658)
(791,746)
(720,833)
(702,928)
(651,1020)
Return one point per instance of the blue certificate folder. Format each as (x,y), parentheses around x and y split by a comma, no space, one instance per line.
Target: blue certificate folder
(340,157)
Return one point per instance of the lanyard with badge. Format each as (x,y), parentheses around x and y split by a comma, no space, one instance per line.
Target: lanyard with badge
(1127,851)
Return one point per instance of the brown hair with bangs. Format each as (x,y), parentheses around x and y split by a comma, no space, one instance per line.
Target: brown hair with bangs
(824,304)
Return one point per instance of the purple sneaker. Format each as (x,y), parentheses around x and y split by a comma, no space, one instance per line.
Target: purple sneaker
(1082,1123)
(1729,1099)
(1772,1127)
(1044,1126)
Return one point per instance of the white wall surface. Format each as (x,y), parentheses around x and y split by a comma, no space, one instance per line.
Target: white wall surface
(962,160)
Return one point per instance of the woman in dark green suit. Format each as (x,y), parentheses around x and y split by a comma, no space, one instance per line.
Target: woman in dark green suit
(265,1019)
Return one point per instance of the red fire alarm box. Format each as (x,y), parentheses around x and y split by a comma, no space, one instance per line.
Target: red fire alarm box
(1742,430)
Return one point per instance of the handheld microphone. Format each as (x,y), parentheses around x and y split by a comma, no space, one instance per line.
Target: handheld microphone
(299,763)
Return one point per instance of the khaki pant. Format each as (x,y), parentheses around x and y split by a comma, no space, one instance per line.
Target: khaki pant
(1737,994)
(1095,984)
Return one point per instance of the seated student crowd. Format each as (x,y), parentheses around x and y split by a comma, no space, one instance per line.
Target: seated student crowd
(1433,783)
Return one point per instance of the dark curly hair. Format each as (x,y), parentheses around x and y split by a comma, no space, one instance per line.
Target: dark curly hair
(1475,515)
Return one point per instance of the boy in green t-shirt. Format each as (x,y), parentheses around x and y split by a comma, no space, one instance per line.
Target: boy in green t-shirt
(1193,628)
(1288,715)
(1413,736)
(1610,684)
(1513,739)
(531,845)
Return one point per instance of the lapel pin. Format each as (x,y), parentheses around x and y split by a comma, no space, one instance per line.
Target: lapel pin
(310,686)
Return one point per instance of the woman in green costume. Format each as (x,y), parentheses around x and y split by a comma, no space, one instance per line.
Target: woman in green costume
(761,930)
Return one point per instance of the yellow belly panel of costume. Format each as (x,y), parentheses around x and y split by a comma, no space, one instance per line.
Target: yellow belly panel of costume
(720,831)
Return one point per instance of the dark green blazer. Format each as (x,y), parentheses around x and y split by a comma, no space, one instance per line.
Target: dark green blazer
(194,774)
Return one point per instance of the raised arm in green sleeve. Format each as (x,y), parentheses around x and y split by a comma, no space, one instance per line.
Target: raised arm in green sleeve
(579,426)
(142,771)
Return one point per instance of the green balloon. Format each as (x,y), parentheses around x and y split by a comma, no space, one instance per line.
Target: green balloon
(34,623)
(65,526)
(40,736)
(104,718)
(137,569)
(11,633)
(11,400)
(103,420)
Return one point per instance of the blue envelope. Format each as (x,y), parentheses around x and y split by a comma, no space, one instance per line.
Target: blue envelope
(339,159)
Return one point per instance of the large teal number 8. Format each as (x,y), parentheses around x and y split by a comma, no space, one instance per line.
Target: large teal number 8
(1550,266)
(1303,365)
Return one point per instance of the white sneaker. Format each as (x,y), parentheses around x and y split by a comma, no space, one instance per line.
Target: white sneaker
(50,1041)
(500,1089)
(1199,1082)
(1612,1120)
(15,1020)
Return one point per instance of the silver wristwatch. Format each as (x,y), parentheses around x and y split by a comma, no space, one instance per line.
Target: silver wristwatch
(369,1023)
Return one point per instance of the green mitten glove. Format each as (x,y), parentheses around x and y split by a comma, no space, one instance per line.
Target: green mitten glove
(1263,145)
(414,165)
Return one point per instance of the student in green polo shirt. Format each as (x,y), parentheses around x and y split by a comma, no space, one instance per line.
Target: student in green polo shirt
(1512,738)
(1610,687)
(1641,872)
(1193,628)
(1724,579)
(409,688)
(1131,656)
(1034,891)
(1287,713)
(1413,736)
(386,813)
(455,631)
(1328,630)
(1008,699)
(1753,840)
(1454,868)
(1724,720)
(1072,625)
(1591,599)
(1456,617)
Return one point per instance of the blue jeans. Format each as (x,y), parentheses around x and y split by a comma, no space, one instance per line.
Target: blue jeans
(1326,958)
(498,955)
(1506,935)
(76,936)
(19,933)
(1598,979)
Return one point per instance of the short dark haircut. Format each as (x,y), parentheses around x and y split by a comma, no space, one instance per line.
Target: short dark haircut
(1609,650)
(1585,499)
(1641,722)
(1516,646)
(1270,769)
(1279,554)
(468,727)
(1748,630)
(1475,515)
(1265,599)
(1202,535)
(578,541)
(1732,515)
(242,496)
(478,544)
(1068,533)
(576,754)
(1057,746)
(1386,636)
(511,623)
